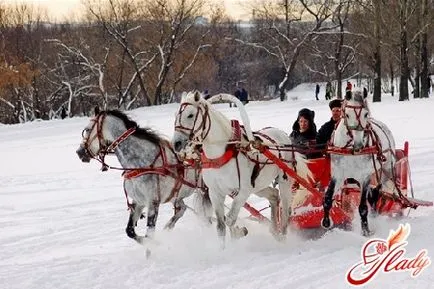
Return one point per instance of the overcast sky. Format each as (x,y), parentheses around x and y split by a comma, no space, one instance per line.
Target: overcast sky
(60,8)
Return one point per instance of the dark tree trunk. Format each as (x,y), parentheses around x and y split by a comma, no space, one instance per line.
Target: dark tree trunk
(416,87)
(424,76)
(405,72)
(377,56)
(338,61)
(377,78)
(392,79)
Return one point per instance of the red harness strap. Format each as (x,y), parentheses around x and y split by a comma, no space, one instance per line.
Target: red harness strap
(207,163)
(230,152)
(236,130)
(165,169)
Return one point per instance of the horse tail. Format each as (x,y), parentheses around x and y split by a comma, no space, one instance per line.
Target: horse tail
(202,205)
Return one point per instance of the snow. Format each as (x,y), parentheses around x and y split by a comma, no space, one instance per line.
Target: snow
(62,221)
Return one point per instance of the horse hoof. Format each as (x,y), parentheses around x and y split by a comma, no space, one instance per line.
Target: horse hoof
(326,223)
(237,232)
(169,226)
(131,232)
(367,233)
(280,237)
(140,240)
(229,221)
(244,231)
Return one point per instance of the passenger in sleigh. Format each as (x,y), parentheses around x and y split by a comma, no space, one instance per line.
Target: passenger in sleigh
(326,130)
(303,135)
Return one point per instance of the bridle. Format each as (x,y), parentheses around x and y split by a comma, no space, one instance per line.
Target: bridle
(367,129)
(358,112)
(104,149)
(194,134)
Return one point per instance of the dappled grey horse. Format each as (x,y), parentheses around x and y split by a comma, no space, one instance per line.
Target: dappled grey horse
(152,172)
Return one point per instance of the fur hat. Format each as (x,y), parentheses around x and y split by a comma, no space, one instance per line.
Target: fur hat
(307,114)
(335,103)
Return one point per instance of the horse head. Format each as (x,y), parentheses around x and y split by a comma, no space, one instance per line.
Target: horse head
(191,121)
(104,132)
(92,137)
(356,116)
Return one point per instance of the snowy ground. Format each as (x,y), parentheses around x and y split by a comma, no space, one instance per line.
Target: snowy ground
(63,221)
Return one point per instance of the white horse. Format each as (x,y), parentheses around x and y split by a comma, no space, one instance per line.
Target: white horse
(152,172)
(361,147)
(229,166)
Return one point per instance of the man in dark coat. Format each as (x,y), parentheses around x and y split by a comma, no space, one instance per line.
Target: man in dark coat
(63,113)
(244,96)
(326,130)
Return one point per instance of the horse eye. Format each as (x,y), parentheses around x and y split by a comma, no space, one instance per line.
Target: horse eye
(84,132)
(190,115)
(366,115)
(347,116)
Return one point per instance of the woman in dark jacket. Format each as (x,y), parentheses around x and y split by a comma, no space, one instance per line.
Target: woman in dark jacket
(303,133)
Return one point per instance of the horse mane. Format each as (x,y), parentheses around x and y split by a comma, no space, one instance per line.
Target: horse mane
(220,117)
(141,132)
(359,96)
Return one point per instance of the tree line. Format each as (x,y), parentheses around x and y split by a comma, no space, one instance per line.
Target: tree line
(126,54)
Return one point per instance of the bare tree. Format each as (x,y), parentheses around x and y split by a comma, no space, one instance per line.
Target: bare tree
(334,52)
(426,23)
(282,33)
(154,37)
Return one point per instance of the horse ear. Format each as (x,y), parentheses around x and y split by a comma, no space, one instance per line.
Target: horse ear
(96,110)
(348,95)
(365,92)
(196,96)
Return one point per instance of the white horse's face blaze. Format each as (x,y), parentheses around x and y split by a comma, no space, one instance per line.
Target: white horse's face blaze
(356,116)
(188,121)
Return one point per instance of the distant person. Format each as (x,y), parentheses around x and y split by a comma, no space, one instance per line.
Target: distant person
(349,87)
(237,94)
(63,114)
(206,94)
(303,135)
(326,130)
(328,91)
(244,96)
(317,91)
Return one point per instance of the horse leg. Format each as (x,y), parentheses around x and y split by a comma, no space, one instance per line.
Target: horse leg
(152,219)
(373,197)
(218,203)
(231,217)
(135,214)
(203,206)
(327,205)
(286,198)
(179,208)
(363,208)
(272,195)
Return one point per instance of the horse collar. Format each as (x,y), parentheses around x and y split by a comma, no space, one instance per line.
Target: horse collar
(230,152)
